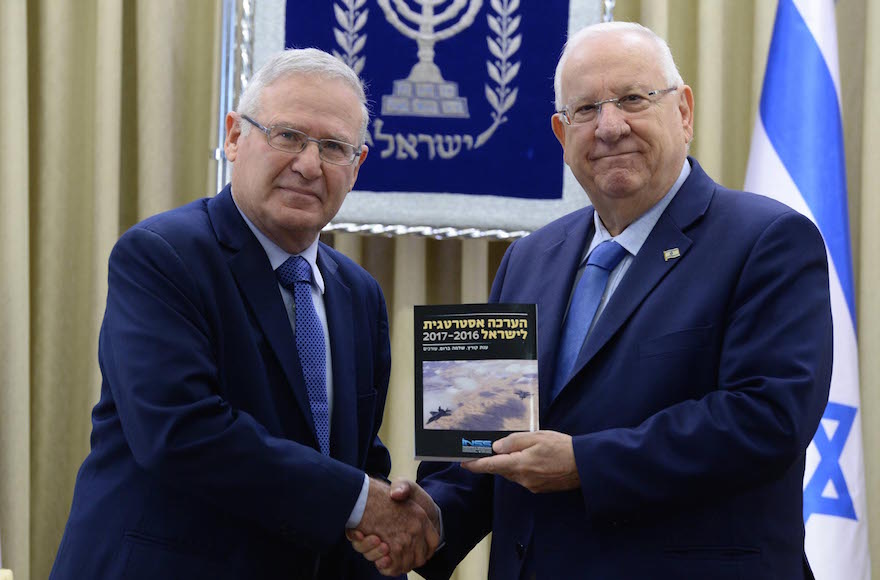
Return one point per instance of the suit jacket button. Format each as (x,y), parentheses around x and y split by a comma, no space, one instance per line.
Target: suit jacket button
(520,550)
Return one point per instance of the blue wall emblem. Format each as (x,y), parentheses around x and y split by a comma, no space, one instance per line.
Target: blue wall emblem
(461,91)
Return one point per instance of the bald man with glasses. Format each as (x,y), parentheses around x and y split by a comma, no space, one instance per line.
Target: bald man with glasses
(684,356)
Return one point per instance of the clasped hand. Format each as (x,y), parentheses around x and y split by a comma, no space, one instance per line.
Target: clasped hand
(400,527)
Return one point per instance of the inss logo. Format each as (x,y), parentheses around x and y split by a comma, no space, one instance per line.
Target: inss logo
(479,446)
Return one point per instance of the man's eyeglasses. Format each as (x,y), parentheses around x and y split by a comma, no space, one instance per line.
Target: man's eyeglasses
(292,141)
(631,104)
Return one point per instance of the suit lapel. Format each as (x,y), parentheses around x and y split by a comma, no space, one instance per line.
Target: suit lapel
(256,280)
(337,301)
(650,266)
(645,272)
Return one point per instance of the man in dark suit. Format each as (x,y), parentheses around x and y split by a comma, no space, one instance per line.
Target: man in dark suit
(675,419)
(245,365)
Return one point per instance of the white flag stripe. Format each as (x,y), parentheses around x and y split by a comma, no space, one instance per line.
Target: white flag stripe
(765,174)
(817,15)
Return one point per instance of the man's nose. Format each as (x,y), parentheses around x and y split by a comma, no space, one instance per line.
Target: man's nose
(308,161)
(611,123)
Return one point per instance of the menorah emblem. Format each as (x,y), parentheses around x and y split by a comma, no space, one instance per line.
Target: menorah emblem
(424,92)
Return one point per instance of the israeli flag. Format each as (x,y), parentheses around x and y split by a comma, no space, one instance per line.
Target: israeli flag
(797,158)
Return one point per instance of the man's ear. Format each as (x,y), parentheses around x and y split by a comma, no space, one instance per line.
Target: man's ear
(233,134)
(558,126)
(357,165)
(686,108)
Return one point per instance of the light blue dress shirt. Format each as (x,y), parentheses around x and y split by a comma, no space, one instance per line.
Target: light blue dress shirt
(632,239)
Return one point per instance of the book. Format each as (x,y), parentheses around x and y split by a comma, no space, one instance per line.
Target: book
(476,377)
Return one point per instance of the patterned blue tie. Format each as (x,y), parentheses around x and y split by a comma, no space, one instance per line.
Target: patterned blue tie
(295,274)
(584,304)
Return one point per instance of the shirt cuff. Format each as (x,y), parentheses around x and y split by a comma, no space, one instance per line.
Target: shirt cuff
(357,512)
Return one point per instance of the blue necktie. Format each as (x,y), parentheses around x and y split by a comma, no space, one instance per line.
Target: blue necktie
(584,304)
(295,274)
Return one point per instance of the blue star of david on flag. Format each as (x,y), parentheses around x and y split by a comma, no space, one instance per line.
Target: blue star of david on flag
(828,470)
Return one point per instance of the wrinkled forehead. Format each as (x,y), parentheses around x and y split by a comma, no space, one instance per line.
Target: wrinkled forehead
(607,64)
(298,82)
(313,92)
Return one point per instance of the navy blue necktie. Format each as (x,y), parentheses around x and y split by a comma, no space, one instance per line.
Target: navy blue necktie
(584,304)
(295,274)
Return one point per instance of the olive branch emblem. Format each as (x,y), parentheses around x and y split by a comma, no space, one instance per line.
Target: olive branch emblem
(351,19)
(501,70)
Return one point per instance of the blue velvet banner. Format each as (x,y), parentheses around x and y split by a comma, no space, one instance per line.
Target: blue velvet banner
(468,110)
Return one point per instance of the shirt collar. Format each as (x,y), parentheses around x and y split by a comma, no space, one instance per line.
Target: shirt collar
(278,256)
(635,234)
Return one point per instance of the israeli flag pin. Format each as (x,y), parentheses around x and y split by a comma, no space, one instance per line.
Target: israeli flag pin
(671,254)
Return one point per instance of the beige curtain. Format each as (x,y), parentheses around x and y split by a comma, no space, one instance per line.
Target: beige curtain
(107,116)
(106,119)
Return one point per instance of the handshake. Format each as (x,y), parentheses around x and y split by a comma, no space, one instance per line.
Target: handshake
(400,528)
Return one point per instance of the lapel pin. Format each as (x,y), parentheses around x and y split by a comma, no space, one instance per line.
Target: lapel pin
(671,254)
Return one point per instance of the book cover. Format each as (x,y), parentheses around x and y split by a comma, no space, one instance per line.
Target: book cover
(476,377)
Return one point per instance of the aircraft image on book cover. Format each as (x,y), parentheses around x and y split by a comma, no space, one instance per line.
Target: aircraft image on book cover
(440,412)
(479,395)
